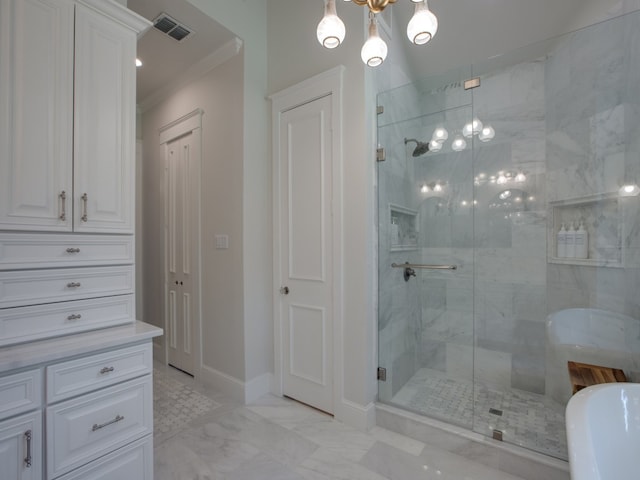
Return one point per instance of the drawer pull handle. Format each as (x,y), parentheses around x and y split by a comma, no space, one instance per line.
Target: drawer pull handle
(63,201)
(27,437)
(106,370)
(73,284)
(74,316)
(73,250)
(84,216)
(110,422)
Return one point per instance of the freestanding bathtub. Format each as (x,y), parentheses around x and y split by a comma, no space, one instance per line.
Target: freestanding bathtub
(603,432)
(589,335)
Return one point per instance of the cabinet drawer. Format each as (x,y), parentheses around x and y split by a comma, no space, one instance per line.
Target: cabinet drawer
(133,461)
(22,324)
(20,392)
(20,251)
(85,428)
(68,379)
(32,287)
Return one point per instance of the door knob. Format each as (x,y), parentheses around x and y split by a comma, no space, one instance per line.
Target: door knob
(284,290)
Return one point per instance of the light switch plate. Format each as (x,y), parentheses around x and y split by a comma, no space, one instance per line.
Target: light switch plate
(222,241)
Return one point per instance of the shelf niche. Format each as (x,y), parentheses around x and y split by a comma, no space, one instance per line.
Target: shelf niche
(405,236)
(602,218)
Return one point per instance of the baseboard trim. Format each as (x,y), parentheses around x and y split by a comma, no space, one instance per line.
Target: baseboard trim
(257,387)
(226,384)
(245,392)
(362,417)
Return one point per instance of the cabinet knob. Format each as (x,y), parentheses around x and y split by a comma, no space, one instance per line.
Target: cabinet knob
(73,250)
(73,284)
(74,316)
(106,370)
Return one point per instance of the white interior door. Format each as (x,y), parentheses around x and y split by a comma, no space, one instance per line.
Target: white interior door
(306,253)
(181,283)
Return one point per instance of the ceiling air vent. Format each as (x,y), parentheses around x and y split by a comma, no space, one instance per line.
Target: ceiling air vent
(171,27)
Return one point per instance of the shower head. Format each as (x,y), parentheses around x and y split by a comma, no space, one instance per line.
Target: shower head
(421,147)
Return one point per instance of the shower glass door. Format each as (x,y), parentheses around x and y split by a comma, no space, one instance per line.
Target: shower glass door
(425,219)
(547,142)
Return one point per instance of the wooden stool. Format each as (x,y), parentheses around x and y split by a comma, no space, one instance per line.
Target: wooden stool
(583,375)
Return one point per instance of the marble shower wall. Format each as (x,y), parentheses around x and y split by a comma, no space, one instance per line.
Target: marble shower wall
(593,147)
(567,117)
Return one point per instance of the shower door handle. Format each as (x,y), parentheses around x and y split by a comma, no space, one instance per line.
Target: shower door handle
(409,268)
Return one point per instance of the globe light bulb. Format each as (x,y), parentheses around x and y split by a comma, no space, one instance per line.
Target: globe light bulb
(458,144)
(423,25)
(331,29)
(487,133)
(374,51)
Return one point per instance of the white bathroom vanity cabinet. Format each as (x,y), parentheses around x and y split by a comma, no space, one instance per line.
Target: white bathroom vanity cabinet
(75,365)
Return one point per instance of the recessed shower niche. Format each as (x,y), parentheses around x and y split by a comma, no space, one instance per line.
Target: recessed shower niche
(601,216)
(404,228)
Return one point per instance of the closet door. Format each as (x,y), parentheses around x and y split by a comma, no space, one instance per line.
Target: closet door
(104,141)
(36,107)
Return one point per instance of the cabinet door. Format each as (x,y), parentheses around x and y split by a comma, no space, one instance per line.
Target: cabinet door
(36,107)
(21,447)
(104,141)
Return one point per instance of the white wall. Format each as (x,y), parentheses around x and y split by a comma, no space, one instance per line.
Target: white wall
(220,95)
(246,19)
(278,53)
(294,54)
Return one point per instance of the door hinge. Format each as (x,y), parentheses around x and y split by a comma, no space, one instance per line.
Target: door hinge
(382,374)
(472,83)
(380,109)
(380,155)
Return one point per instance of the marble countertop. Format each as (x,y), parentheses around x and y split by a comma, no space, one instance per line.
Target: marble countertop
(24,355)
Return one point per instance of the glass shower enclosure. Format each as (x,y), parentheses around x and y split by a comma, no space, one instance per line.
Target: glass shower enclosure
(509,193)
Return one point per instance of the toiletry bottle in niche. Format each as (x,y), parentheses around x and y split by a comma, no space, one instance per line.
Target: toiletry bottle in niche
(571,241)
(582,242)
(395,231)
(561,242)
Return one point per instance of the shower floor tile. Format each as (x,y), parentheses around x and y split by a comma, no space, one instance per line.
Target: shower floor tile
(526,419)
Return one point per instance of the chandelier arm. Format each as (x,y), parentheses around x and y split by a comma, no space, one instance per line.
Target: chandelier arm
(375,6)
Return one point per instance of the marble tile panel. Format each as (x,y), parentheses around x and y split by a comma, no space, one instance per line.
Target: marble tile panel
(285,412)
(327,464)
(284,445)
(432,464)
(262,467)
(337,437)
(196,455)
(406,444)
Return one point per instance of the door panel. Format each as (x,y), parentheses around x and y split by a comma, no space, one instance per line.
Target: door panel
(104,124)
(180,237)
(306,233)
(36,127)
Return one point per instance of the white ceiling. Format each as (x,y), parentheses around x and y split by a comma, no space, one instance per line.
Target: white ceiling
(165,59)
(469,30)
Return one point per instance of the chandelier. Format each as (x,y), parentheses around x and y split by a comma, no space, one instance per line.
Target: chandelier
(331,30)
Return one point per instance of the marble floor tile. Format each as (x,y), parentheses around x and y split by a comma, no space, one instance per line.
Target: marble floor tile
(278,438)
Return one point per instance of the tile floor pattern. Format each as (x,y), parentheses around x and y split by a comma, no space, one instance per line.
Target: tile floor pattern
(529,420)
(176,404)
(277,438)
